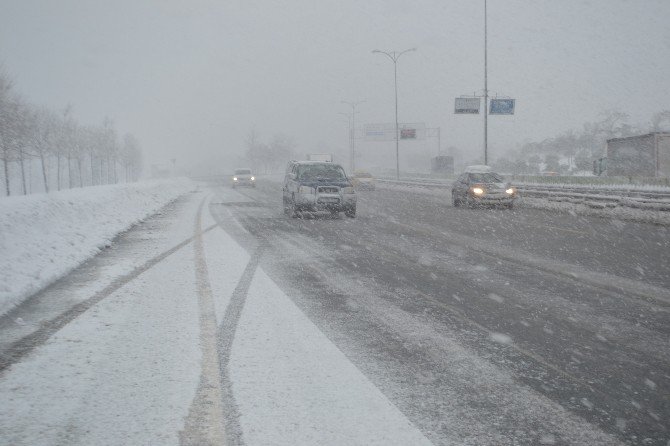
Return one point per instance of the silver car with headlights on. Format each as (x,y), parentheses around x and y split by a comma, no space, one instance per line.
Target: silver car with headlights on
(318,186)
(243,177)
(479,185)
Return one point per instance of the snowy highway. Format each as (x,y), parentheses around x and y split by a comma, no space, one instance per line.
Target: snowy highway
(221,320)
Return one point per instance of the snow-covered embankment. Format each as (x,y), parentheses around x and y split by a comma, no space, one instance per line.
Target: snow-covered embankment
(43,237)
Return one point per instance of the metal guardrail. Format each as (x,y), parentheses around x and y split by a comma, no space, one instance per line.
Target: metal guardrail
(595,197)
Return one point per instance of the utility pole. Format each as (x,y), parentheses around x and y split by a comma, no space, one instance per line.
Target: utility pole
(352,132)
(394,56)
(486,93)
(349,117)
(439,146)
(497,106)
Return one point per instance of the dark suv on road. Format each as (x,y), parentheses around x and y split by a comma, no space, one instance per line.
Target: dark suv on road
(318,186)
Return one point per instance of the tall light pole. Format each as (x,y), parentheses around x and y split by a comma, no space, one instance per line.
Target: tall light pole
(352,131)
(348,115)
(486,94)
(394,56)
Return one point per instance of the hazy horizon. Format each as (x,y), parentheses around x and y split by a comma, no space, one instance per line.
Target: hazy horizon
(190,80)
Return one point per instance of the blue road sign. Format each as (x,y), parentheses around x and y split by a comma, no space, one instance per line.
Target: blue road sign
(502,107)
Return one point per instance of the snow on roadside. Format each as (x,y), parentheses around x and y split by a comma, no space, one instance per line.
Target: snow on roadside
(43,237)
(618,212)
(123,373)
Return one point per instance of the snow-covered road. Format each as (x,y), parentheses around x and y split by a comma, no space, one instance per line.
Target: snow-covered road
(128,369)
(220,320)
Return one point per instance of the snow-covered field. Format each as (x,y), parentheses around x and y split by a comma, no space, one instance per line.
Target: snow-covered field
(43,237)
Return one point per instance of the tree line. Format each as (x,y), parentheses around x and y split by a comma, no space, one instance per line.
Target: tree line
(268,157)
(575,150)
(49,150)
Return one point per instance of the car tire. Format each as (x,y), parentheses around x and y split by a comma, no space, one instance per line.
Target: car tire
(455,199)
(293,209)
(351,213)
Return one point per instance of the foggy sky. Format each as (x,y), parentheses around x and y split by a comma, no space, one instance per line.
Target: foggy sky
(191,78)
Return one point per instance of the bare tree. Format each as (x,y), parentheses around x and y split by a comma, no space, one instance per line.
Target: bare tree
(43,128)
(661,121)
(131,157)
(109,148)
(21,140)
(91,143)
(10,127)
(269,157)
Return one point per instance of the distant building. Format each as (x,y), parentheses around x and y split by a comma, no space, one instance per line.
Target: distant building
(639,156)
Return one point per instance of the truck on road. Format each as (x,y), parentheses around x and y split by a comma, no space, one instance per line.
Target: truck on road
(637,156)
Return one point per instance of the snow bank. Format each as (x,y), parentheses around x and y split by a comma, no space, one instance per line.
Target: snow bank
(43,237)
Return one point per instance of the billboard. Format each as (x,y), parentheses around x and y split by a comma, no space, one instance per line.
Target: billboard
(407,133)
(379,132)
(468,106)
(502,107)
(386,132)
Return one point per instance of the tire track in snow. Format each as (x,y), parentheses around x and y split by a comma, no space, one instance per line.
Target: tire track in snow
(204,423)
(233,434)
(22,347)
(225,342)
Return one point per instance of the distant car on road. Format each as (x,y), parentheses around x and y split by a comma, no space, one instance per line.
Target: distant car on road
(243,177)
(318,186)
(363,180)
(479,185)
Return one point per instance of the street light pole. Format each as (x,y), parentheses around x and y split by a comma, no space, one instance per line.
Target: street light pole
(394,56)
(353,131)
(486,93)
(349,118)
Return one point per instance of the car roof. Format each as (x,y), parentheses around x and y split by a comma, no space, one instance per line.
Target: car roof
(307,163)
(479,168)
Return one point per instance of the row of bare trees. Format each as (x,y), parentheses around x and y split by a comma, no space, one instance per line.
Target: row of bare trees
(43,150)
(575,150)
(268,157)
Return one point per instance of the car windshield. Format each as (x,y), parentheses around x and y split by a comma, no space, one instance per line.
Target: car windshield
(489,177)
(242,171)
(321,172)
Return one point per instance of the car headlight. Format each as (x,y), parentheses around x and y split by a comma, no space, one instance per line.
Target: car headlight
(510,191)
(234,178)
(253,179)
(306,190)
(477,191)
(348,190)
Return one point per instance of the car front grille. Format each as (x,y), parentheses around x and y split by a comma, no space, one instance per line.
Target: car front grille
(328,189)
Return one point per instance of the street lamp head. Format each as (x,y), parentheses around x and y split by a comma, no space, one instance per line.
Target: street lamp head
(376,51)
